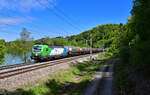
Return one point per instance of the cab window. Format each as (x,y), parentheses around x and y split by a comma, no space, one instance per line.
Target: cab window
(37,48)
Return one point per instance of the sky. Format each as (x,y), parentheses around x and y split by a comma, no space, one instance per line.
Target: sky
(52,18)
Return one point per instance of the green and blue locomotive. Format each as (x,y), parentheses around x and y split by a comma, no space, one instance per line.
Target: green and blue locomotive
(48,52)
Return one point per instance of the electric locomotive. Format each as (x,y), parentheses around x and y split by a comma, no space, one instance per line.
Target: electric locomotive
(48,52)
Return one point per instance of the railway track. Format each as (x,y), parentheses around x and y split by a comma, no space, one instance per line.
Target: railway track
(13,66)
(12,70)
(19,65)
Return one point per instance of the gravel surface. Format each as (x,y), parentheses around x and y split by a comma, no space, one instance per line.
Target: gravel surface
(102,81)
(105,88)
(17,81)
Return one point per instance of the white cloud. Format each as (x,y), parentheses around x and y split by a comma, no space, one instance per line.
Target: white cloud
(13,21)
(3,25)
(10,21)
(24,5)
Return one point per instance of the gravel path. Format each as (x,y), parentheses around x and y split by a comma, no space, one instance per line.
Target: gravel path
(102,81)
(105,88)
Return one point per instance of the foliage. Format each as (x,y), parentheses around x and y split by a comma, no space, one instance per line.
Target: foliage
(22,46)
(2,51)
(52,41)
(59,41)
(135,46)
(71,81)
(123,83)
(103,36)
(25,35)
(15,47)
(106,35)
(46,40)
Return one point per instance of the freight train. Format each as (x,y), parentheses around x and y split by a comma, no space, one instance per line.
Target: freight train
(48,52)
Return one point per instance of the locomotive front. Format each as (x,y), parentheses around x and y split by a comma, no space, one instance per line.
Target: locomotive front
(37,51)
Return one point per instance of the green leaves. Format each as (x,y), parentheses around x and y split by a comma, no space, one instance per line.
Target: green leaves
(2,51)
(22,46)
(135,46)
(102,36)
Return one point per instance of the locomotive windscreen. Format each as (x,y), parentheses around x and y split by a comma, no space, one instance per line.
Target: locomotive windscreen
(37,48)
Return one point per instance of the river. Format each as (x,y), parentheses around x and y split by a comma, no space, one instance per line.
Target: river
(11,59)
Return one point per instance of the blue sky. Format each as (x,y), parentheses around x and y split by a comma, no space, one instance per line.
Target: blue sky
(41,22)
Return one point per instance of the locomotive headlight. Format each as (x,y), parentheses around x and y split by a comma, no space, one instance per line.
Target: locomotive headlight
(37,53)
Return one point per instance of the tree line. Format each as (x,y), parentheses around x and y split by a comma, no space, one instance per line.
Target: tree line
(135,40)
(102,36)
(130,40)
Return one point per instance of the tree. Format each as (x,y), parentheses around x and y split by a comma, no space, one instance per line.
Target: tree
(136,40)
(25,35)
(2,51)
(27,43)
(103,36)
(59,41)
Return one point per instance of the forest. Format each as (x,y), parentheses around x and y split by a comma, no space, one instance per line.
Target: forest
(103,36)
(134,47)
(130,40)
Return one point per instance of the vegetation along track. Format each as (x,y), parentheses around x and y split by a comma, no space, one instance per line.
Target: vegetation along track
(12,71)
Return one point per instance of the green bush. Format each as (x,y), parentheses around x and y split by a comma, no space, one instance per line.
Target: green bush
(2,51)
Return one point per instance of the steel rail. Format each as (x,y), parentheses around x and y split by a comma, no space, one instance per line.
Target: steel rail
(14,65)
(24,64)
(17,71)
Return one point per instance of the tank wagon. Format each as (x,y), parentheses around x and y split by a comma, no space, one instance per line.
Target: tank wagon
(48,52)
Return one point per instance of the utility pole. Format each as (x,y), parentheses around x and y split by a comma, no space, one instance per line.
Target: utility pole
(67,42)
(91,46)
(66,38)
(86,43)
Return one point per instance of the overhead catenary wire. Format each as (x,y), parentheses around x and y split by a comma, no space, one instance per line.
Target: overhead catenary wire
(59,16)
(62,12)
(31,29)
(19,26)
(31,25)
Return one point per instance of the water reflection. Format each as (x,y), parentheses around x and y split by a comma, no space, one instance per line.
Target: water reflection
(12,59)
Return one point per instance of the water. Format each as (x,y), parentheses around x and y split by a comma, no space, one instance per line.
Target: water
(11,59)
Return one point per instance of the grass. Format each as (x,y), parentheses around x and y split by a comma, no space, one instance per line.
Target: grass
(106,56)
(101,56)
(67,82)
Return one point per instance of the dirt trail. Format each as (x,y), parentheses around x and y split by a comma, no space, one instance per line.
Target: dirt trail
(105,86)
(102,82)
